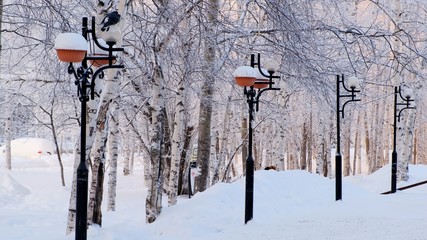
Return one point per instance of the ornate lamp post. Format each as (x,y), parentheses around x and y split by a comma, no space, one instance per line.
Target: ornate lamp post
(353,83)
(71,48)
(405,101)
(254,83)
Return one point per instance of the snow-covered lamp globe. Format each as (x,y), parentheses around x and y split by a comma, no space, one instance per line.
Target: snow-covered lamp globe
(245,76)
(271,65)
(353,82)
(261,81)
(406,92)
(70,47)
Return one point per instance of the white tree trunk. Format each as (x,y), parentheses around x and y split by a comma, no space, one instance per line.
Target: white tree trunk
(113,147)
(223,141)
(406,148)
(71,220)
(96,189)
(280,146)
(98,160)
(320,146)
(176,146)
(126,151)
(8,139)
(153,203)
(205,115)
(347,146)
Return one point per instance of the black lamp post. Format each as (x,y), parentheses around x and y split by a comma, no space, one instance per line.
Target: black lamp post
(254,83)
(353,84)
(406,103)
(85,80)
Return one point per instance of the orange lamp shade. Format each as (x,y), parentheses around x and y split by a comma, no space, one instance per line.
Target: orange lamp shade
(245,76)
(67,55)
(259,84)
(98,63)
(70,47)
(245,81)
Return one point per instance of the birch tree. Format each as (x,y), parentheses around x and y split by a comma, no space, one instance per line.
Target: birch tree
(176,146)
(113,146)
(205,115)
(112,83)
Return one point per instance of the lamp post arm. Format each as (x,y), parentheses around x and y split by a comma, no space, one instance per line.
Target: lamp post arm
(99,72)
(345,103)
(401,110)
(259,95)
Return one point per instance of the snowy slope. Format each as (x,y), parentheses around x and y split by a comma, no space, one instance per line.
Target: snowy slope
(287,205)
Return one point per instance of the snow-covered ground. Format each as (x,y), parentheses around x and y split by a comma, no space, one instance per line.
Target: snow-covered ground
(287,205)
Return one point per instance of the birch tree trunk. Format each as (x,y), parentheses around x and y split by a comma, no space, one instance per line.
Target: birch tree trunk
(8,139)
(176,145)
(367,141)
(310,144)
(8,124)
(304,147)
(96,188)
(320,147)
(113,147)
(111,88)
(406,147)
(281,151)
(357,163)
(347,137)
(223,139)
(153,203)
(126,151)
(205,117)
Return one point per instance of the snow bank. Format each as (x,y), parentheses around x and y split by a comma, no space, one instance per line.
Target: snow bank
(11,191)
(287,205)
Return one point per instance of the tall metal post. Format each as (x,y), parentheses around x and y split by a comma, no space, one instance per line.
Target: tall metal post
(340,110)
(250,166)
(82,170)
(82,75)
(253,96)
(394,153)
(338,157)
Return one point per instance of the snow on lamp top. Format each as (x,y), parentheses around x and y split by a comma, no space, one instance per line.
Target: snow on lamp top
(407,92)
(245,71)
(272,65)
(353,82)
(245,76)
(70,47)
(71,41)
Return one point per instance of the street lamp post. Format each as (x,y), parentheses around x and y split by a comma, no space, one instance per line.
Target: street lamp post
(406,103)
(254,83)
(353,83)
(85,81)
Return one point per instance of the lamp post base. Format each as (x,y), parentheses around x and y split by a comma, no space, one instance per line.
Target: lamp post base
(81,203)
(338,177)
